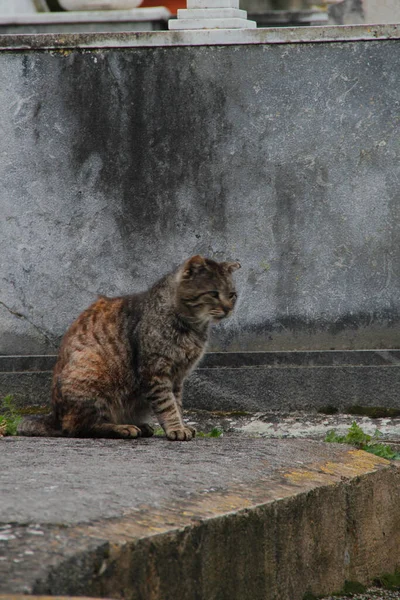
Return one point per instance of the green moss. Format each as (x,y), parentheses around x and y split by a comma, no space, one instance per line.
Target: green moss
(374,412)
(353,587)
(387,581)
(214,433)
(328,410)
(230,413)
(34,410)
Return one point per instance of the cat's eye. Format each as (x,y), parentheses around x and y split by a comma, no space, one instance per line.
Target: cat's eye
(232,295)
(213,294)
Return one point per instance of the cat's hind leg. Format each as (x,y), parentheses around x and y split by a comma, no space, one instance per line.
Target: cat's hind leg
(91,418)
(141,416)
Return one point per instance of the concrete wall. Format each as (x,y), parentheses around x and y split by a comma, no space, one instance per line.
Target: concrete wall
(381,11)
(15,7)
(116,164)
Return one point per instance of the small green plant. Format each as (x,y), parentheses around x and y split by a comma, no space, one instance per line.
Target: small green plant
(9,417)
(370,443)
(351,588)
(389,581)
(214,433)
(309,596)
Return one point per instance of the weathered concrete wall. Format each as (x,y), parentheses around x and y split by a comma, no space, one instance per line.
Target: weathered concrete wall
(116,164)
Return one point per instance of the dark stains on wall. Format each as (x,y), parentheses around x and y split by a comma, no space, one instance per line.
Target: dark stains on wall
(283,157)
(151,131)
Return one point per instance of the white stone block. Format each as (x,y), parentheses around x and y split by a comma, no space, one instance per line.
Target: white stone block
(213,3)
(17,7)
(211,13)
(175,24)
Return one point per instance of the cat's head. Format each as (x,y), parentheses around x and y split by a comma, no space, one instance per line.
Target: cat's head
(206,289)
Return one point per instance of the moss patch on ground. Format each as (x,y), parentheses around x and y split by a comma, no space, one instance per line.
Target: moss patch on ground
(374,412)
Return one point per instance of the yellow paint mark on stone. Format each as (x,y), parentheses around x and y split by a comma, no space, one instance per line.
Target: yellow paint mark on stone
(146,520)
(356,462)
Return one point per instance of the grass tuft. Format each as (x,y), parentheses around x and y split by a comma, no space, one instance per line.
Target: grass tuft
(9,417)
(370,443)
(389,581)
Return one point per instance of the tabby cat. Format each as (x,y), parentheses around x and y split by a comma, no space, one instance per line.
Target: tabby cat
(126,357)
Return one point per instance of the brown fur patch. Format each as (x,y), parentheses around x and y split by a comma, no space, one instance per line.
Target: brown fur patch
(125,357)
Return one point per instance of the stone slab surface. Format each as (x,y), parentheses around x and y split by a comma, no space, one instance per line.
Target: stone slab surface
(214,23)
(138,19)
(55,480)
(210,4)
(211,13)
(225,517)
(101,16)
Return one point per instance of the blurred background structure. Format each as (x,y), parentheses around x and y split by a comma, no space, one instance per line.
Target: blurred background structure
(124,15)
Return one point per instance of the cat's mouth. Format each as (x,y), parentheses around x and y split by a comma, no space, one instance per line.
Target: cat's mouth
(220,317)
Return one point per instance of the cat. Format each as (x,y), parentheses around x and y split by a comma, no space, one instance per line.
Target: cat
(125,358)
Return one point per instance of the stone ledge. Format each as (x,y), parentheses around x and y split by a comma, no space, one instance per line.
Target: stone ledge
(211,13)
(112,16)
(279,35)
(211,23)
(216,360)
(254,381)
(235,517)
(86,23)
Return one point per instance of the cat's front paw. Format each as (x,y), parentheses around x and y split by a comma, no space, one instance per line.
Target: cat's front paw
(125,431)
(183,434)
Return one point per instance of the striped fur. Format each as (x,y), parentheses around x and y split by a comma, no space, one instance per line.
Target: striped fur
(126,358)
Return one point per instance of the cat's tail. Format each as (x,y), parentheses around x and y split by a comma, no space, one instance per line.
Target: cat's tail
(39,425)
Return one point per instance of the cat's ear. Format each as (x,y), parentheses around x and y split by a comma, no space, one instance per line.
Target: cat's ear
(231,266)
(193,266)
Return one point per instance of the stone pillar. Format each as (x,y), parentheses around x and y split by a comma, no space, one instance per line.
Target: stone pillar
(212,14)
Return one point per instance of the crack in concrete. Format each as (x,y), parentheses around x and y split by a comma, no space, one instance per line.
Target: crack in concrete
(48,337)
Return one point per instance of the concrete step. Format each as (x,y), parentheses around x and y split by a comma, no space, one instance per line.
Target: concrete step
(226,518)
(255,381)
